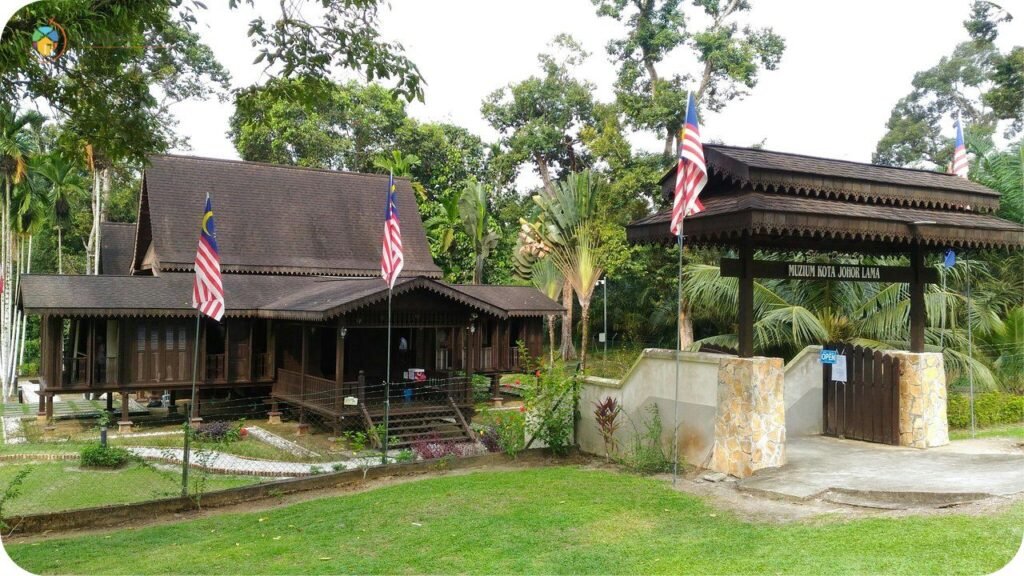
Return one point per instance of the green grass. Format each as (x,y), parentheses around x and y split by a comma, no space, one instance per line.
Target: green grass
(1005,431)
(546,520)
(56,486)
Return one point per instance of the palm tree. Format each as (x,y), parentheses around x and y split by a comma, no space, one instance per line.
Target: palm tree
(66,183)
(565,212)
(477,222)
(580,264)
(17,143)
(549,280)
(441,226)
(793,314)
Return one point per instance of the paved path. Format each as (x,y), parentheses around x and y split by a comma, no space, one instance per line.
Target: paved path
(230,464)
(12,430)
(963,470)
(279,442)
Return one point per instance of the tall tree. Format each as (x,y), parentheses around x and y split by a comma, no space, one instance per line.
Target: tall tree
(539,119)
(549,280)
(729,59)
(976,82)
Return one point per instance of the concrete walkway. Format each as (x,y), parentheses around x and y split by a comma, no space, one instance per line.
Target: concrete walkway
(223,463)
(854,472)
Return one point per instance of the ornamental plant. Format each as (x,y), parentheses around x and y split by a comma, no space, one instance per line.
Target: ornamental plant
(606,413)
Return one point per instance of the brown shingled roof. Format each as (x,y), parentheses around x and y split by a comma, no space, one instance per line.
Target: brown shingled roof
(314,298)
(276,219)
(797,174)
(859,225)
(117,244)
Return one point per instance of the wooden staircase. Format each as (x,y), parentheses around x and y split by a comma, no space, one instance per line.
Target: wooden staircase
(443,422)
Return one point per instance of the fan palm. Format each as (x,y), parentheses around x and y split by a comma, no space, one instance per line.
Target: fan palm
(476,220)
(549,280)
(580,264)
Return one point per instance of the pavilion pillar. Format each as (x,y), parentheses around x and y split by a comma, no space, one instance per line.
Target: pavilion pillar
(917,311)
(746,298)
(49,407)
(304,356)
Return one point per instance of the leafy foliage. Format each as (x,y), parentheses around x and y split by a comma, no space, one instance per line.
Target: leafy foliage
(990,409)
(606,414)
(11,491)
(98,456)
(646,454)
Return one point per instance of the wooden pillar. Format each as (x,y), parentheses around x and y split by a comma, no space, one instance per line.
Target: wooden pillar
(339,369)
(252,351)
(49,407)
(305,355)
(272,349)
(110,401)
(41,415)
(125,423)
(917,311)
(90,354)
(746,298)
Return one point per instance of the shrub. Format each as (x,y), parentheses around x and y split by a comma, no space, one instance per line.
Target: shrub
(99,456)
(552,402)
(12,491)
(606,414)
(490,438)
(431,446)
(405,455)
(219,431)
(510,428)
(30,368)
(481,388)
(990,409)
(646,455)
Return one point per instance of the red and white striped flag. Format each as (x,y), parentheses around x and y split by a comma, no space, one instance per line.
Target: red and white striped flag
(391,258)
(208,286)
(691,172)
(959,166)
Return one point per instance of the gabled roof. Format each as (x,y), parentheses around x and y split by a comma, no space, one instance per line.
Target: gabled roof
(797,174)
(117,244)
(314,298)
(275,219)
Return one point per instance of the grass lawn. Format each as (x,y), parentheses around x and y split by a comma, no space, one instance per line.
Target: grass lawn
(1005,431)
(55,486)
(544,520)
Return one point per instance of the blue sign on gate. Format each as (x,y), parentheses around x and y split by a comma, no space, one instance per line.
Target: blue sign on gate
(828,356)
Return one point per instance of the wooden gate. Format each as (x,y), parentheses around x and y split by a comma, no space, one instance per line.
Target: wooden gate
(867,405)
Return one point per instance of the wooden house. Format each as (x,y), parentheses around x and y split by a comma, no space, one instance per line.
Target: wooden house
(306,308)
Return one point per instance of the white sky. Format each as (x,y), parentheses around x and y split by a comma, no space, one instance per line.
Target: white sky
(845,65)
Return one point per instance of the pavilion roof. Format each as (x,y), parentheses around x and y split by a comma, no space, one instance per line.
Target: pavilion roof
(794,202)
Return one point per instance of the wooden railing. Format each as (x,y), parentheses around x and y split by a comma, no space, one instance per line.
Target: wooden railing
(325,393)
(513,356)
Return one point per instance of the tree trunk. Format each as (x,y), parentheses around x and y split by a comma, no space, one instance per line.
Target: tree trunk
(685,328)
(585,343)
(478,270)
(60,251)
(24,317)
(545,173)
(551,338)
(568,351)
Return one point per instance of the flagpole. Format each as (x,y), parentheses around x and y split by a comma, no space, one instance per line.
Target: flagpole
(191,409)
(387,388)
(679,323)
(970,344)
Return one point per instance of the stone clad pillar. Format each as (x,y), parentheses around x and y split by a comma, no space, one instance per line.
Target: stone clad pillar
(922,385)
(750,424)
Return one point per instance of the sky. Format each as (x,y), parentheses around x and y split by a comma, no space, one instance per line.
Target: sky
(845,66)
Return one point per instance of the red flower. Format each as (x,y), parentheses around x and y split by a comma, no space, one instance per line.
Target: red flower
(522,408)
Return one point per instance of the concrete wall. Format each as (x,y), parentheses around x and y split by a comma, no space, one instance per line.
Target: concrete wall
(652,379)
(802,379)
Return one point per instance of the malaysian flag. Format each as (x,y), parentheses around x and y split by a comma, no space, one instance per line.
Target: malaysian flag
(391,258)
(691,173)
(208,286)
(959,166)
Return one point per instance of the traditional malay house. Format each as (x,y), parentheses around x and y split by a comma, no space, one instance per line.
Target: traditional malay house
(306,308)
